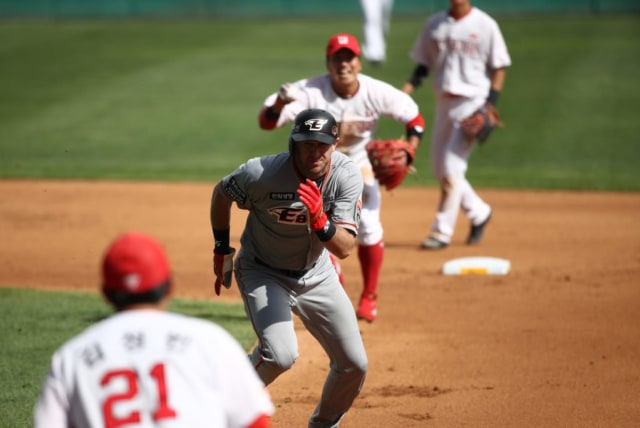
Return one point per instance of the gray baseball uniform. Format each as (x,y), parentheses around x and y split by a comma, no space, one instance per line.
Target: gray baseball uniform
(282,267)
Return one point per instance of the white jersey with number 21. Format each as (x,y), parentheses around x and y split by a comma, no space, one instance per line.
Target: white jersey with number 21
(149,368)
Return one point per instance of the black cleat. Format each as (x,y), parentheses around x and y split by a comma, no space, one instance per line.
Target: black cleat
(475,235)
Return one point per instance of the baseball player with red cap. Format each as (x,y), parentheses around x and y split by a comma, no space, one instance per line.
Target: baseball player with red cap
(144,366)
(357,101)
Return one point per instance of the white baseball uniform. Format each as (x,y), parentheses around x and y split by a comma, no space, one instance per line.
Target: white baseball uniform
(459,54)
(150,368)
(358,118)
(377,21)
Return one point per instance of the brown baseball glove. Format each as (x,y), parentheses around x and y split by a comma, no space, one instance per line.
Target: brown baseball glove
(481,123)
(389,162)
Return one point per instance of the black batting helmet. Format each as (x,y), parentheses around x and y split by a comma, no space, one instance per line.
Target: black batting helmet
(314,125)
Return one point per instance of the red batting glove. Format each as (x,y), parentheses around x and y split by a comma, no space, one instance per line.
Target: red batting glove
(222,269)
(310,196)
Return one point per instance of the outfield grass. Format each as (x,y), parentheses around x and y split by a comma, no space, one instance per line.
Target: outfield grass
(178,100)
(35,323)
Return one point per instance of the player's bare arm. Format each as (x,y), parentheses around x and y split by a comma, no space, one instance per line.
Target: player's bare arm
(220,209)
(498,77)
(342,244)
(220,214)
(416,79)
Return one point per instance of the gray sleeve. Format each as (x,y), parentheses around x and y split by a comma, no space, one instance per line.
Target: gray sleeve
(347,202)
(237,185)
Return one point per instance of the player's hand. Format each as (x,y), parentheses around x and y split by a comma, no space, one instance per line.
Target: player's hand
(223,269)
(310,196)
(287,93)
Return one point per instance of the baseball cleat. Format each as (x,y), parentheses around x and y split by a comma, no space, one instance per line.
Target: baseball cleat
(367,308)
(432,243)
(475,234)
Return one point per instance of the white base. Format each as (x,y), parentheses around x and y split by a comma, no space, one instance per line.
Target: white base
(476,266)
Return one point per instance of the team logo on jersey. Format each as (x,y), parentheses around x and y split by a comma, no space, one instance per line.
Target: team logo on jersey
(466,47)
(295,215)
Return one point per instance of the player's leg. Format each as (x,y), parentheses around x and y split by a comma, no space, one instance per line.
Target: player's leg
(477,211)
(370,246)
(327,313)
(268,307)
(456,191)
(373,47)
(387,10)
(441,231)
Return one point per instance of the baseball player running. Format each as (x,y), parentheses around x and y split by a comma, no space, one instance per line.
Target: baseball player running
(464,49)
(357,102)
(302,204)
(145,367)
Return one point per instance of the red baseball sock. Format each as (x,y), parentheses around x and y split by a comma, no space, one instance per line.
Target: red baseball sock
(370,257)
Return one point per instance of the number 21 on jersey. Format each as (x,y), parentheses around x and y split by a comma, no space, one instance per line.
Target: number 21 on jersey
(130,377)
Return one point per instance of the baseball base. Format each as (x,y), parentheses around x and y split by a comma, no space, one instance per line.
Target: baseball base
(476,266)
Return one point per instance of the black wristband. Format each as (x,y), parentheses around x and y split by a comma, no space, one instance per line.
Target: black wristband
(493,96)
(326,233)
(271,115)
(418,131)
(419,74)
(221,241)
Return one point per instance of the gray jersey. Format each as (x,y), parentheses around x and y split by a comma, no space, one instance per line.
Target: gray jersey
(277,230)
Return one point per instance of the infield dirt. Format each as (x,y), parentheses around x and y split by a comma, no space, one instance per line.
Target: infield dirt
(555,343)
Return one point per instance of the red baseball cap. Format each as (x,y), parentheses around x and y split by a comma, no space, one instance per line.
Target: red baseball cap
(134,263)
(343,41)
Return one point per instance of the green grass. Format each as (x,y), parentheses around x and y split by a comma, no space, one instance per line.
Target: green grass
(35,323)
(178,100)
